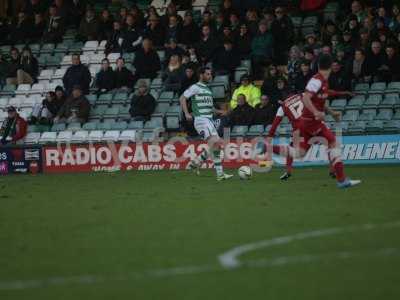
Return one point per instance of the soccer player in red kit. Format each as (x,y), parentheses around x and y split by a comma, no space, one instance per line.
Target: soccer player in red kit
(292,108)
(312,127)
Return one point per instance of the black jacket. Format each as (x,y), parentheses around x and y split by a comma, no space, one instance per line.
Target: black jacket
(339,81)
(264,115)
(142,106)
(54,30)
(242,115)
(81,105)
(77,75)
(147,64)
(243,45)
(112,41)
(226,61)
(105,80)
(132,38)
(206,49)
(123,78)
(29,66)
(190,34)
(156,34)
(301,81)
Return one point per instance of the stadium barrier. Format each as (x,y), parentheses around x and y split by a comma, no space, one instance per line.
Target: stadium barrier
(176,153)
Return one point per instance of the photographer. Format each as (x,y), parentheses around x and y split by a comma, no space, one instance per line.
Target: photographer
(28,68)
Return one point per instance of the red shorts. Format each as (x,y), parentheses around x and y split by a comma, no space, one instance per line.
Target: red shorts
(314,132)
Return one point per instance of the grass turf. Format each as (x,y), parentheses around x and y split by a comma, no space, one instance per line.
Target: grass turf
(118,227)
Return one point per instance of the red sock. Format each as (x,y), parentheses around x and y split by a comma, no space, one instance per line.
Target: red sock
(289,164)
(280,150)
(339,170)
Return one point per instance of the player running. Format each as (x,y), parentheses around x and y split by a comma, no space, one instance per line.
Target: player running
(202,113)
(311,125)
(292,108)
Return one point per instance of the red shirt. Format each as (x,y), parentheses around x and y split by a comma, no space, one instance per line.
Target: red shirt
(292,108)
(318,87)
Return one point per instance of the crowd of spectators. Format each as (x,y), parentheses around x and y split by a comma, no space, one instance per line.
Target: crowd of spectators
(363,39)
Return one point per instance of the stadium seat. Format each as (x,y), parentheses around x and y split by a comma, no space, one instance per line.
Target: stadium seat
(23,89)
(135,125)
(372,101)
(174,110)
(90,46)
(58,127)
(61,48)
(390,101)
(111,112)
(161,109)
(97,112)
(3,115)
(374,126)
(8,89)
(393,87)
(338,104)
(120,98)
(4,102)
(384,115)
(112,57)
(156,83)
(74,126)
(238,75)
(92,98)
(356,127)
(124,113)
(25,112)
(45,75)
(150,136)
(16,101)
(350,115)
(66,61)
(377,87)
(166,97)
(96,58)
(37,88)
(356,102)
(64,137)
(392,126)
(154,123)
(90,126)
(221,79)
(106,125)
(58,74)
(32,138)
(367,115)
(111,136)
(128,136)
(361,88)
(48,137)
(255,130)
(95,136)
(102,45)
(119,126)
(80,136)
(172,122)
(239,131)
(218,92)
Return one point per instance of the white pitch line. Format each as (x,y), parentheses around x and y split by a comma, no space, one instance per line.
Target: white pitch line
(230,259)
(190,270)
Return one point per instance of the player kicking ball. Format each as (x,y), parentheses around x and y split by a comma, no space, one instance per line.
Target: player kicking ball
(312,128)
(292,108)
(202,114)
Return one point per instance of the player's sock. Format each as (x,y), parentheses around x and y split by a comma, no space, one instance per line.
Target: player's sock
(337,164)
(289,164)
(218,162)
(281,150)
(203,156)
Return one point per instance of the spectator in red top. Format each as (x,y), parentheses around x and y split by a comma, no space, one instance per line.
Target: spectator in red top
(14,127)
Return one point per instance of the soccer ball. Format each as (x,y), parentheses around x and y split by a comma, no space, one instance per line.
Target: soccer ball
(245,172)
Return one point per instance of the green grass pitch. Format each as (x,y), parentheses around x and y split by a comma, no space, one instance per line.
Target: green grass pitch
(158,235)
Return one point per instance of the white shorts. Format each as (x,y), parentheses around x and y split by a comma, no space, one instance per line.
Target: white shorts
(205,127)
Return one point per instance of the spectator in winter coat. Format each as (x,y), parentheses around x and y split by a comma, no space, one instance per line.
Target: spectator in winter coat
(3,71)
(173,74)
(172,48)
(207,45)
(155,31)
(14,127)
(143,104)
(226,59)
(302,77)
(89,27)
(21,29)
(392,62)
(264,112)
(38,28)
(115,37)
(44,112)
(280,92)
(147,62)
(105,78)
(132,37)
(262,49)
(75,109)
(189,78)
(358,66)
(374,61)
(283,32)
(250,91)
(338,79)
(13,66)
(242,114)
(243,42)
(77,74)
(55,27)
(190,32)
(124,78)
(28,68)
(271,76)
(105,25)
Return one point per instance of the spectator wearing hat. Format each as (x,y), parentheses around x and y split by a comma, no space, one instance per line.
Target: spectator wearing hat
(283,32)
(226,59)
(143,104)
(242,114)
(75,109)
(105,78)
(45,112)
(13,66)
(14,127)
(250,91)
(262,49)
(77,74)
(28,68)
(190,32)
(264,112)
(147,62)
(124,78)
(243,42)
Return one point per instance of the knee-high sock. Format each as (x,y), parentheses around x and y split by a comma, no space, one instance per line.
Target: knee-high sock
(289,163)
(284,150)
(218,162)
(335,160)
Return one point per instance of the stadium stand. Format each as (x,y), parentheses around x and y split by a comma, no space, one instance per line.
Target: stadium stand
(374,108)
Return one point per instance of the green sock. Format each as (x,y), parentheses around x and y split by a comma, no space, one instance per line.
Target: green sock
(218,162)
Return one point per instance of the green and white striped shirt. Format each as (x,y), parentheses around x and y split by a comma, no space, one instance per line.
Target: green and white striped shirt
(202,100)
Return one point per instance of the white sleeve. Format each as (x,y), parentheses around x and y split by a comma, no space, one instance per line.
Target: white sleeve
(280,112)
(314,85)
(190,92)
